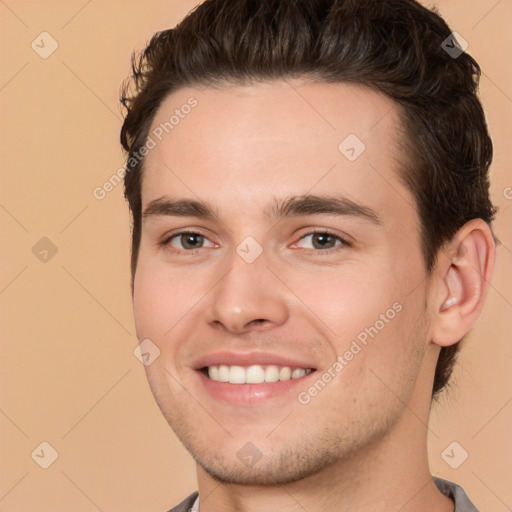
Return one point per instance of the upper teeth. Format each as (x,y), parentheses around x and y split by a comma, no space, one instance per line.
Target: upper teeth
(254,374)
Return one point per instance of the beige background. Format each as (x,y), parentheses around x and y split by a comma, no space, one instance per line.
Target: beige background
(69,376)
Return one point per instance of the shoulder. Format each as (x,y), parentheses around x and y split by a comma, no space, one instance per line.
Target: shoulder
(457,494)
(186,504)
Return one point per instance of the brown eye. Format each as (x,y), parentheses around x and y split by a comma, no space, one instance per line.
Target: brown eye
(188,241)
(191,240)
(322,240)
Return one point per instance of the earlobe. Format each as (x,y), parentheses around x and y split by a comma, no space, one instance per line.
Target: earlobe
(462,282)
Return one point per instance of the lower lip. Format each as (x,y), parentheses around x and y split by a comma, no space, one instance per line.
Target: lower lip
(253,394)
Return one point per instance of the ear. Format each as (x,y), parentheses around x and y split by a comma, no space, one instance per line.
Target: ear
(461,282)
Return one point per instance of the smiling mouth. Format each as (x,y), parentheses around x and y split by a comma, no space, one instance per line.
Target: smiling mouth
(254,374)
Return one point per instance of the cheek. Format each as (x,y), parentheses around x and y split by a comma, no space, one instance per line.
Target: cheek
(371,313)
(376,366)
(349,298)
(148,298)
(156,299)
(165,299)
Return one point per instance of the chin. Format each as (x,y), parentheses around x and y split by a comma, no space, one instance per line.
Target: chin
(273,467)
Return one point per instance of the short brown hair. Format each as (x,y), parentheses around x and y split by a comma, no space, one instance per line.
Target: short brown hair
(397,47)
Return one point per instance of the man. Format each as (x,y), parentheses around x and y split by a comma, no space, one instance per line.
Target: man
(311,241)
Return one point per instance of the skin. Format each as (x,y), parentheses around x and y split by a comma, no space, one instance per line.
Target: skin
(360,443)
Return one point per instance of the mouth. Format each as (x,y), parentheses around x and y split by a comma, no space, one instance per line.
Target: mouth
(253,374)
(252,378)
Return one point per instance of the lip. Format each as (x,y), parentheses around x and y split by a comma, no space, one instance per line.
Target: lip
(251,394)
(250,358)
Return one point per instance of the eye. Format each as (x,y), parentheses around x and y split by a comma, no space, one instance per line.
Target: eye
(187,241)
(322,241)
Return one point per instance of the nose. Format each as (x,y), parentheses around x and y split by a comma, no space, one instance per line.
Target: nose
(248,297)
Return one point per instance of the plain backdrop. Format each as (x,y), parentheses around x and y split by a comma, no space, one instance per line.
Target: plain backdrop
(69,376)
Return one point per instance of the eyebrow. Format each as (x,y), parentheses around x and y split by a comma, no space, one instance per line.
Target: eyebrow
(294,206)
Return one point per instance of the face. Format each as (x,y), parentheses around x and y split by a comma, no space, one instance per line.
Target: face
(280,276)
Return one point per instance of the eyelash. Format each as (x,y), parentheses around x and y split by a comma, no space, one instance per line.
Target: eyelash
(344,243)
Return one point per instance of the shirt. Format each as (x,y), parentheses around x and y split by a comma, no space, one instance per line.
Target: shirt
(453,491)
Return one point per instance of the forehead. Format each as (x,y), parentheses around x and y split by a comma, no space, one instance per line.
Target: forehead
(280,138)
